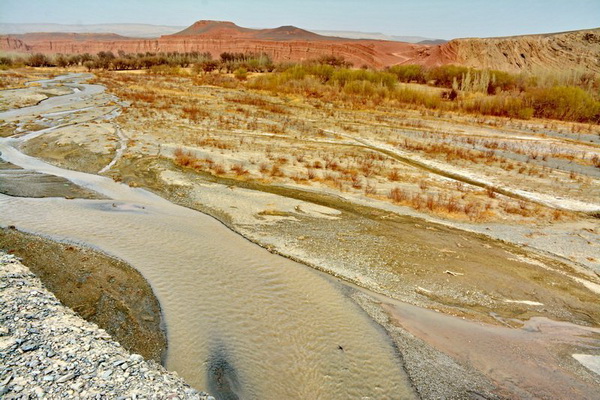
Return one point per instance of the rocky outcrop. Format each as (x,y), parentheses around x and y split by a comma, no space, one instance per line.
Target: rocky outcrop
(48,351)
(9,43)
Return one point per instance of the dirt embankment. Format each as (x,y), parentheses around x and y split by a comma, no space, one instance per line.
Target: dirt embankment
(101,289)
(577,50)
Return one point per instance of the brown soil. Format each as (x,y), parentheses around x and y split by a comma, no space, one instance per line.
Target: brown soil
(101,289)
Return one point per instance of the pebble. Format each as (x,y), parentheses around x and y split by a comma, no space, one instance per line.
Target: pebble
(106,374)
(48,351)
(29,346)
(65,378)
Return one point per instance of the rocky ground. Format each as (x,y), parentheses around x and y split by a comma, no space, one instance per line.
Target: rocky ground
(48,351)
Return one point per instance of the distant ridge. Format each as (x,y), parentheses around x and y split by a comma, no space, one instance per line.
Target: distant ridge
(155,31)
(290,32)
(433,41)
(379,36)
(80,37)
(227,29)
(206,27)
(129,30)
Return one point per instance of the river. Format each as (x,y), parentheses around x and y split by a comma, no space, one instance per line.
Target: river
(241,322)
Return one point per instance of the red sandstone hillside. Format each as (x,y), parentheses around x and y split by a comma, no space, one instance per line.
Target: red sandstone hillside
(229,30)
(561,51)
(286,43)
(215,30)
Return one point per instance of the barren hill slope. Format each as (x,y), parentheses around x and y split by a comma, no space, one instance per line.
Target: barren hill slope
(560,51)
(214,29)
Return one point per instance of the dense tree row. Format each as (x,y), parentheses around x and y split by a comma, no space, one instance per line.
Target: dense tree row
(107,60)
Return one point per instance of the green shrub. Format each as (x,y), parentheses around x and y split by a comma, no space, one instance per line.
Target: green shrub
(446,75)
(241,74)
(503,105)
(566,103)
(408,73)
(165,70)
(38,60)
(344,76)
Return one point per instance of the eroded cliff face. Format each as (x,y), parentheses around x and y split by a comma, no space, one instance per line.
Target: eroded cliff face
(570,50)
(8,43)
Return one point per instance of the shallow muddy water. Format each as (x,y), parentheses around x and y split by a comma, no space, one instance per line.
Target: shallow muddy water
(242,322)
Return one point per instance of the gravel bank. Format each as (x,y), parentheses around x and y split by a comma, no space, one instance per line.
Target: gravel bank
(48,351)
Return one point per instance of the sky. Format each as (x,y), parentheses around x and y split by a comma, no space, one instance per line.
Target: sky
(443,19)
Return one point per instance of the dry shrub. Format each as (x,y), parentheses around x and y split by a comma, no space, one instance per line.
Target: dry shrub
(558,215)
(239,170)
(263,168)
(215,143)
(184,158)
(218,169)
(370,189)
(355,181)
(193,113)
(146,96)
(440,203)
(491,193)
(394,175)
(258,102)
(277,172)
(399,195)
(331,164)
(522,208)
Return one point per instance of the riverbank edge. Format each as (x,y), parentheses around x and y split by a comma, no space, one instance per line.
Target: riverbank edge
(48,350)
(101,289)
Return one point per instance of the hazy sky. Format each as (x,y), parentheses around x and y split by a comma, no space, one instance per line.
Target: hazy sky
(443,19)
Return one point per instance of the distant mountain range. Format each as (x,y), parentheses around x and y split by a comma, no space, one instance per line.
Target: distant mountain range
(130,30)
(154,31)
(380,36)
